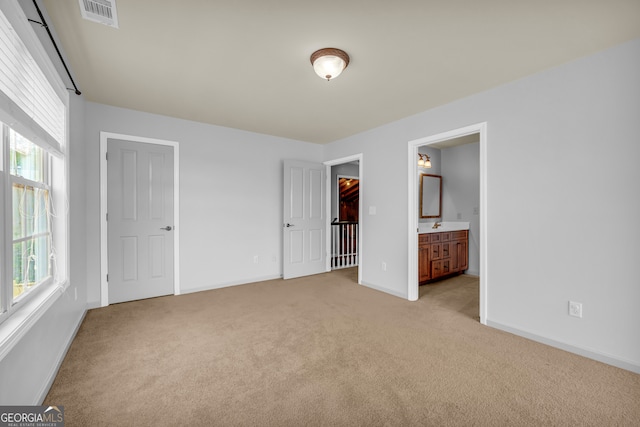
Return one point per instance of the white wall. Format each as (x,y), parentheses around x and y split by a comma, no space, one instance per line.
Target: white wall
(461,194)
(231,185)
(549,239)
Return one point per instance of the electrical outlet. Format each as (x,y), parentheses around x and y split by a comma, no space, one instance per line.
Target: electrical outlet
(255,259)
(384,266)
(575,309)
(459,216)
(476,210)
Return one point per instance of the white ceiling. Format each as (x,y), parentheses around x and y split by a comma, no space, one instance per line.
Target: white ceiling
(245,63)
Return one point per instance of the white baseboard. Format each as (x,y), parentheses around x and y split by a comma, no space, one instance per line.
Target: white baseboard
(402,295)
(232,283)
(97,304)
(585,352)
(92,305)
(61,355)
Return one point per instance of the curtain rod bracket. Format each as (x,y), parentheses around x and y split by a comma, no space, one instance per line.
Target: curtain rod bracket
(36,22)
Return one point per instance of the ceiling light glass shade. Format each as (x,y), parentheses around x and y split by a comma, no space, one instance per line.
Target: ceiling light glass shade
(329,63)
(328,67)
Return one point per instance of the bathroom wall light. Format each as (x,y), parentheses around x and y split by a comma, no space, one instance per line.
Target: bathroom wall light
(329,62)
(424,161)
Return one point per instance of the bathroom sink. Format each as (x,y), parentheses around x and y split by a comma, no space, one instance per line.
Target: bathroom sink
(427,227)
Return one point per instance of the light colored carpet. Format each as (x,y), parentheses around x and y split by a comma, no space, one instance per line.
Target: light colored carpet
(324,351)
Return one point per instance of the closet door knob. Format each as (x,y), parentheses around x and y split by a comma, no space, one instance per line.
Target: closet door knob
(167,228)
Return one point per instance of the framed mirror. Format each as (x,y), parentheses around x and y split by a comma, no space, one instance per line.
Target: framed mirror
(430,196)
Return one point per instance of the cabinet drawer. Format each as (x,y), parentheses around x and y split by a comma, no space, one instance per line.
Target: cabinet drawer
(440,237)
(423,238)
(455,235)
(446,266)
(440,268)
(436,269)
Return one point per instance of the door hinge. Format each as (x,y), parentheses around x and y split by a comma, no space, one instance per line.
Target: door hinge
(107,277)
(107,216)
(106,156)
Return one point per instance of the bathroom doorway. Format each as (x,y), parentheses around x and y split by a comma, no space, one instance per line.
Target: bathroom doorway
(459,144)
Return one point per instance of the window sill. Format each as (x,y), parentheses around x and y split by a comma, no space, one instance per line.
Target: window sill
(20,322)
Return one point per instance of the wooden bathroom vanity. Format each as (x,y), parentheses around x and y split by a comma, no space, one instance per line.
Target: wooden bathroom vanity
(442,254)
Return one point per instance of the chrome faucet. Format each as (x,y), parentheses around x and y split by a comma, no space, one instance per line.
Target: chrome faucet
(436,225)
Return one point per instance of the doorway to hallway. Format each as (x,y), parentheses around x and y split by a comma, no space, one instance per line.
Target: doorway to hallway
(345,225)
(344,206)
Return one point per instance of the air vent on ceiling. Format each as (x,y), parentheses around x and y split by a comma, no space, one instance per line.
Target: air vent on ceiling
(102,11)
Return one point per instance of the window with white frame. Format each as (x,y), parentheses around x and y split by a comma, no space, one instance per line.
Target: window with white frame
(33,183)
(31,214)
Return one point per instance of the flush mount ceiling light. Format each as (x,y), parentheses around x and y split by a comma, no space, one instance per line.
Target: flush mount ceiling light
(424,161)
(329,62)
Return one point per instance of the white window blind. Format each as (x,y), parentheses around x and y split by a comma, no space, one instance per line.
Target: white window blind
(28,102)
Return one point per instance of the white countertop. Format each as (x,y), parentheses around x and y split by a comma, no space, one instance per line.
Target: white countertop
(427,227)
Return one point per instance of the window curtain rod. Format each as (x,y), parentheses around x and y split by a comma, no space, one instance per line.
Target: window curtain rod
(55,45)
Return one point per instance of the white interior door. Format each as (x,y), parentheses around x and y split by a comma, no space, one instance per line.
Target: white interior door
(304,220)
(140,220)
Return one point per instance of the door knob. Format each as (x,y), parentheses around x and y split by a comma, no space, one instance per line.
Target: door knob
(288,225)
(167,228)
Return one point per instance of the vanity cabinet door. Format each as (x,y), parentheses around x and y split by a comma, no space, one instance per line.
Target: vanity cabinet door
(424,257)
(436,251)
(453,256)
(459,251)
(446,252)
(463,255)
(424,263)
